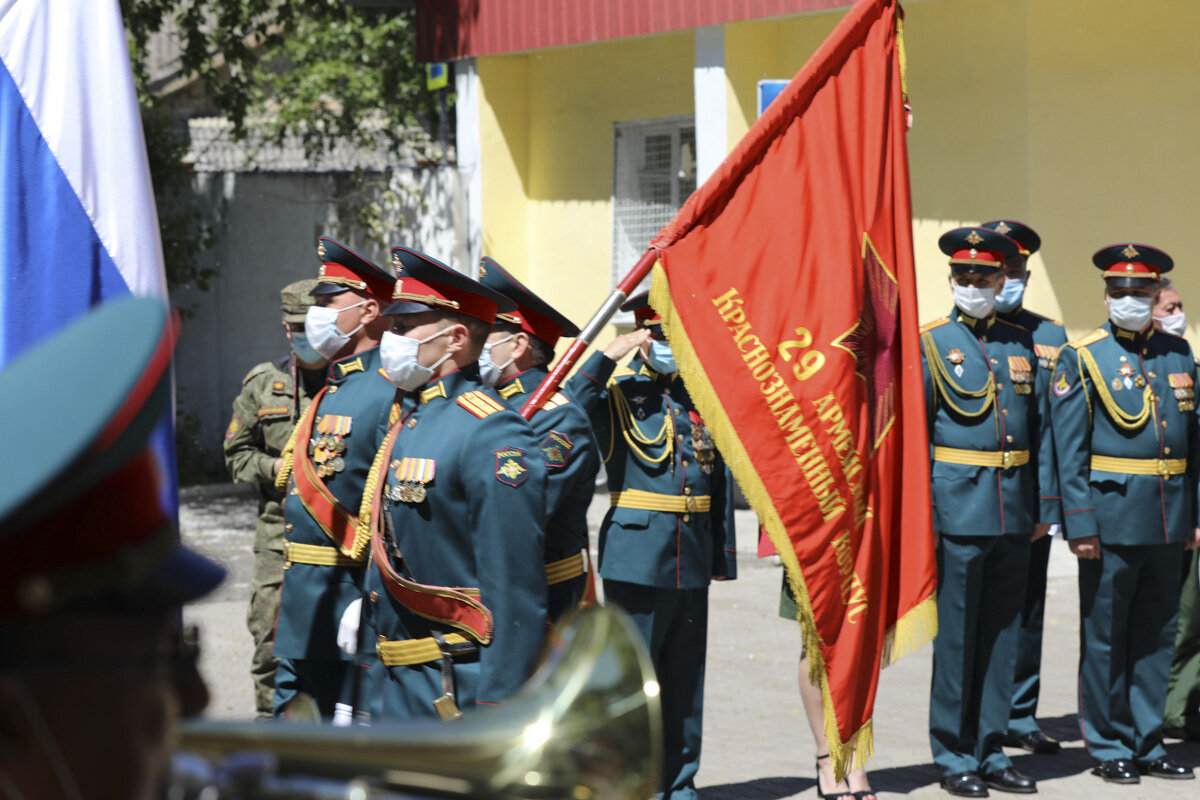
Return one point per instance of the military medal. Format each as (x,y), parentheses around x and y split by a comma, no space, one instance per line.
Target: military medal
(411,476)
(1139,381)
(1116,384)
(956,357)
(1184,391)
(1126,371)
(702,444)
(1021,374)
(327,446)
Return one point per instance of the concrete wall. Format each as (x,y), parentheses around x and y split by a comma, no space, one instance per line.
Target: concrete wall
(269,223)
(1078,117)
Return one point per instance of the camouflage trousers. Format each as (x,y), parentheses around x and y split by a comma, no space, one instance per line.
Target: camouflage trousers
(260,619)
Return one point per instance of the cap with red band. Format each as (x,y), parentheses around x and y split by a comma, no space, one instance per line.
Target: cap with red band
(342,269)
(533,314)
(424,284)
(643,313)
(82,519)
(1132,264)
(1026,237)
(975,249)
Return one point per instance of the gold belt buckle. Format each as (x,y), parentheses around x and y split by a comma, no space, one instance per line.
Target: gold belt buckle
(1162,468)
(689,504)
(1006,459)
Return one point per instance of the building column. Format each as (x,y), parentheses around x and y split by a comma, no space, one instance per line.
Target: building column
(468,222)
(712,139)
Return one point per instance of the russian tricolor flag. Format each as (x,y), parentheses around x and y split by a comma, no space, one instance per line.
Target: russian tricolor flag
(77,218)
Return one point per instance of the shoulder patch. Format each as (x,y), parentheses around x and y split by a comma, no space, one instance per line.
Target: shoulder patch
(479,403)
(234,425)
(510,466)
(937,323)
(556,448)
(1091,338)
(555,400)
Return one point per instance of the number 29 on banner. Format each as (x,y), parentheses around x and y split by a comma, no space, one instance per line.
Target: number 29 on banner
(809,362)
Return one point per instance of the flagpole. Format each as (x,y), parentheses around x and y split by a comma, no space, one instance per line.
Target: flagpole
(550,383)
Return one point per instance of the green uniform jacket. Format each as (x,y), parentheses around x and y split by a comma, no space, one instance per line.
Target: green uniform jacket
(1099,409)
(264,413)
(314,597)
(478,523)
(961,358)
(663,549)
(572,461)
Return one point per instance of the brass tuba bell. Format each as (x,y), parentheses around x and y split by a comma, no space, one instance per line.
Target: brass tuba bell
(586,726)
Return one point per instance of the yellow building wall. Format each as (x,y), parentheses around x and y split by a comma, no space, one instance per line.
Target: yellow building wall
(548,161)
(1078,117)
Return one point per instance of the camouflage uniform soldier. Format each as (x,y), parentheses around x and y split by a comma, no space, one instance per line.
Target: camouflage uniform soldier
(274,395)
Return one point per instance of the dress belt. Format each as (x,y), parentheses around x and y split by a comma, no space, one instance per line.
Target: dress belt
(318,555)
(1140,466)
(1004,459)
(653,501)
(564,569)
(406,652)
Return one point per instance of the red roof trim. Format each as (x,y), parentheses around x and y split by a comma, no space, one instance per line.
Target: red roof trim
(452,29)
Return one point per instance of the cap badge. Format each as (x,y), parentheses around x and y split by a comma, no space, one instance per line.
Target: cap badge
(1130,251)
(1002,228)
(482,271)
(321,250)
(321,271)
(396,263)
(1129,267)
(974,238)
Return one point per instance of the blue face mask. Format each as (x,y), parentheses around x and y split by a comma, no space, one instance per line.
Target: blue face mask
(660,358)
(303,350)
(1010,297)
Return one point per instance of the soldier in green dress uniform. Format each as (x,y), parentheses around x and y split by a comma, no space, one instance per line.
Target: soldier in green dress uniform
(992,492)
(670,529)
(515,359)
(95,667)
(1128,447)
(1048,337)
(325,465)
(455,598)
(274,395)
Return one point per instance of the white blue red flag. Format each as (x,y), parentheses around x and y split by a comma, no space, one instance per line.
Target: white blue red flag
(77,218)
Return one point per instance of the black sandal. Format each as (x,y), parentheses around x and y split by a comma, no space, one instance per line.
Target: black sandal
(847,795)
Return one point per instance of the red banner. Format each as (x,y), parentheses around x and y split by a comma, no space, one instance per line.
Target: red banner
(787,289)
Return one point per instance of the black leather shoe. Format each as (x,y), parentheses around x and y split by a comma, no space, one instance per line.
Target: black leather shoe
(1117,770)
(965,784)
(1166,768)
(1009,780)
(1034,742)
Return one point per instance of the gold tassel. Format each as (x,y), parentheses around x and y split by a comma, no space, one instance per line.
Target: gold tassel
(289,456)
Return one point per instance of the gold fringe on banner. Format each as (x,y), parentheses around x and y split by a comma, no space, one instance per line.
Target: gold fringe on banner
(858,748)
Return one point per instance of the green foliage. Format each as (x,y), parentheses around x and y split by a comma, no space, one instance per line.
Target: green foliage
(320,69)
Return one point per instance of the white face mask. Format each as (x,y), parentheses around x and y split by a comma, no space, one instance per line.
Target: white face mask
(321,328)
(1011,295)
(974,302)
(660,357)
(1130,312)
(399,356)
(490,372)
(1174,324)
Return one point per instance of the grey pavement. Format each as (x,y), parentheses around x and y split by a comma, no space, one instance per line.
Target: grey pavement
(757,744)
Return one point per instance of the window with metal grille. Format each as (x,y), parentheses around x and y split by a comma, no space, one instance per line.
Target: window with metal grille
(654,171)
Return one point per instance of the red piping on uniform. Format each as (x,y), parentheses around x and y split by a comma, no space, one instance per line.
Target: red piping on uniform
(1076,511)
